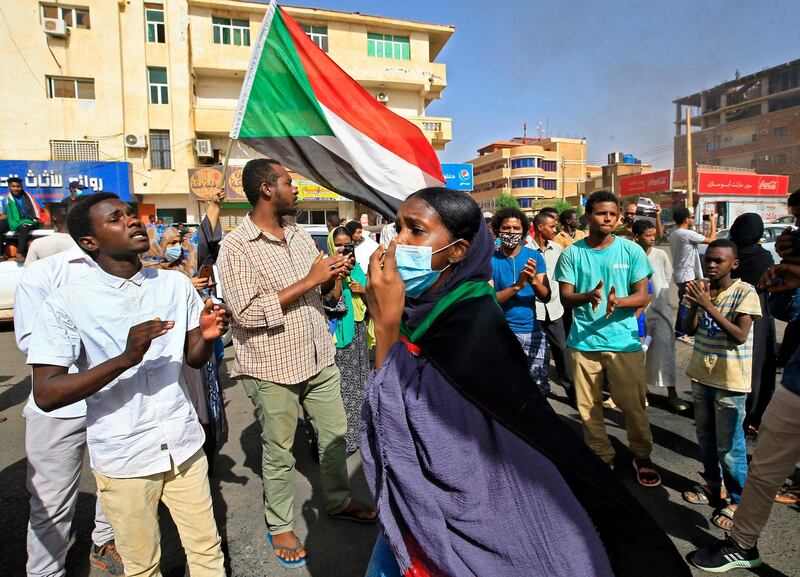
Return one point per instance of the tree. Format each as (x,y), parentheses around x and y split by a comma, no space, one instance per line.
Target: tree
(561,205)
(506,201)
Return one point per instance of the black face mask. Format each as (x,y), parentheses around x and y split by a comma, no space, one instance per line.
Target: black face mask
(510,240)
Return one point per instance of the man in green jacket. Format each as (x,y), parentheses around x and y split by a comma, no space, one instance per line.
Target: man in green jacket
(23,214)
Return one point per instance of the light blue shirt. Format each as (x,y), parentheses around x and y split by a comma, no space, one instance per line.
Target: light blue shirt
(621,265)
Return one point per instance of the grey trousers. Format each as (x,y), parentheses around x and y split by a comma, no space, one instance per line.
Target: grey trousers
(773,460)
(557,339)
(55,449)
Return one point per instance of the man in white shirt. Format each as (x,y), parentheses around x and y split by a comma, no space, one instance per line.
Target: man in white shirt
(129,330)
(55,442)
(57,242)
(551,314)
(683,243)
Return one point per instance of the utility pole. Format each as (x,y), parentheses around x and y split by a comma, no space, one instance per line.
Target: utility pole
(689,176)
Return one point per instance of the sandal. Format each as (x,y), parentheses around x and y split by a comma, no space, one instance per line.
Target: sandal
(646,473)
(726,512)
(789,495)
(285,562)
(356,517)
(704,495)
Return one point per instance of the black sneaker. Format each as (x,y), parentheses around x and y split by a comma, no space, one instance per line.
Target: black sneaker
(107,558)
(723,556)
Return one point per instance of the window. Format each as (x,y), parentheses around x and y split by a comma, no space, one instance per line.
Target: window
(525,202)
(72,16)
(159,94)
(319,34)
(171,215)
(231,31)
(388,46)
(550,166)
(154,17)
(548,184)
(74,150)
(523,183)
(779,158)
(523,163)
(63,87)
(780,131)
(432,126)
(160,154)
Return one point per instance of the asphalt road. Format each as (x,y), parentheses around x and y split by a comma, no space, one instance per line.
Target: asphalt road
(337,548)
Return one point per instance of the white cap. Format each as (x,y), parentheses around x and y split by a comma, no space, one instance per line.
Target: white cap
(487,214)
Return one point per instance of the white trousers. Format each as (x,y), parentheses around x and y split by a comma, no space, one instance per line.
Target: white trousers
(55,449)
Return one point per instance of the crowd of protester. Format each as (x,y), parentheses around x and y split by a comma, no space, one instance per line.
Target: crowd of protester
(429,352)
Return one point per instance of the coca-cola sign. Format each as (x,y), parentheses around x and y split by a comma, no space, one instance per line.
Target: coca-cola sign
(651,182)
(742,184)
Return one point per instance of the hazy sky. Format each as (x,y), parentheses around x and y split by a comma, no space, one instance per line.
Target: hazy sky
(606,70)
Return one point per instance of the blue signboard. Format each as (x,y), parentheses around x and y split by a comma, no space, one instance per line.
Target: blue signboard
(458,176)
(48,180)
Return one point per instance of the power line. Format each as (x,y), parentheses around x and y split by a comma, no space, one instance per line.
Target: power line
(21,55)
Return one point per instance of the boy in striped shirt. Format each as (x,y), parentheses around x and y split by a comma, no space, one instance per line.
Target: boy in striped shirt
(721,314)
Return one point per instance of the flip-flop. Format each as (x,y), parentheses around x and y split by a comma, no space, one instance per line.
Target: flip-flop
(788,496)
(727,512)
(646,470)
(704,496)
(284,562)
(353,516)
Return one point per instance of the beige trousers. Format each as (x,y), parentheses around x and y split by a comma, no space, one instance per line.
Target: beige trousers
(131,506)
(627,385)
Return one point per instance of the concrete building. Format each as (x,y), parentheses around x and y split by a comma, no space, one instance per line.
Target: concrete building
(156,83)
(751,122)
(536,171)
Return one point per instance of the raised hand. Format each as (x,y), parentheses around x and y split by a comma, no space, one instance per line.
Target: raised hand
(611,302)
(214,320)
(140,336)
(385,289)
(781,277)
(596,295)
(326,269)
(527,274)
(698,294)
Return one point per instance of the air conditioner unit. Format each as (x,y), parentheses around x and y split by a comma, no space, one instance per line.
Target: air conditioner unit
(383,97)
(202,146)
(55,27)
(135,141)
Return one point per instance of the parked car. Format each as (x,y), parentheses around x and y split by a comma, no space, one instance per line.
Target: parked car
(785,220)
(10,274)
(319,232)
(771,232)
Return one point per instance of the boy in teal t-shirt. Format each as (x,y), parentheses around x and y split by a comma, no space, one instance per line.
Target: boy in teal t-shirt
(603,279)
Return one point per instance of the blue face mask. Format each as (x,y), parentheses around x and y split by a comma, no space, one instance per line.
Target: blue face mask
(414,266)
(173,253)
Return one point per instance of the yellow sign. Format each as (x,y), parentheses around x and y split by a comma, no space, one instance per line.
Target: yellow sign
(206,181)
(309,190)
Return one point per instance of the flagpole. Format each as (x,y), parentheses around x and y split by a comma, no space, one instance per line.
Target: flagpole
(225,163)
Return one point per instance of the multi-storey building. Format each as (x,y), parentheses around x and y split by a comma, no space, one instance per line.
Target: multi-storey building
(751,122)
(156,83)
(536,171)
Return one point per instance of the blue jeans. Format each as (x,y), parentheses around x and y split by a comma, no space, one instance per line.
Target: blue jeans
(382,562)
(718,416)
(535,346)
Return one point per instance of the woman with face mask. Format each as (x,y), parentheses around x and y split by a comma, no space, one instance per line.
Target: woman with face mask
(519,276)
(472,471)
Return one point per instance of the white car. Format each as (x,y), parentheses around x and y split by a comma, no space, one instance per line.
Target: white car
(10,273)
(771,232)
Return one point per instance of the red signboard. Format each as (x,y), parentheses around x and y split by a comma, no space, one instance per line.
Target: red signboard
(644,183)
(742,184)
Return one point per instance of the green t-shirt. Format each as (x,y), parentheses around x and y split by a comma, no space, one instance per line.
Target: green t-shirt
(621,265)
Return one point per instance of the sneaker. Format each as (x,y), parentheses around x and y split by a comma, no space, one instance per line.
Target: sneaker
(678,405)
(723,556)
(107,558)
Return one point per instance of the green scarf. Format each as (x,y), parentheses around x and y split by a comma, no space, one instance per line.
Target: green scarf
(467,290)
(356,309)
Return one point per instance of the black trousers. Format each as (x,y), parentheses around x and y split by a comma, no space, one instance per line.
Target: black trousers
(557,340)
(24,237)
